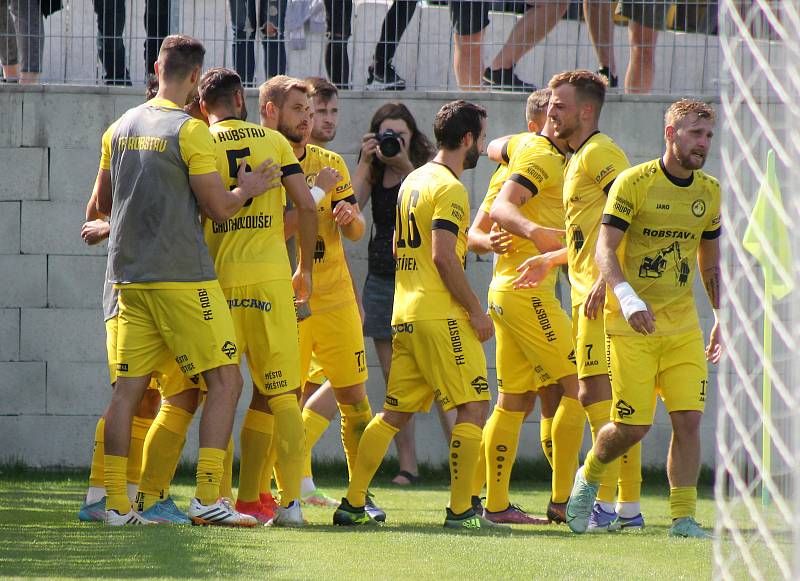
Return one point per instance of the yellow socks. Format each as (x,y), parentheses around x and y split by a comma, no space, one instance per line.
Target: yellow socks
(354,421)
(226,484)
(599,415)
(209,474)
(502,438)
(567,432)
(291,444)
(315,425)
(161,454)
(546,436)
(465,445)
(630,475)
(139,428)
(97,475)
(371,450)
(254,443)
(682,501)
(479,480)
(269,466)
(116,468)
(593,468)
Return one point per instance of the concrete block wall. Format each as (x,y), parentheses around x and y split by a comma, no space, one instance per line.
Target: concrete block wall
(53,374)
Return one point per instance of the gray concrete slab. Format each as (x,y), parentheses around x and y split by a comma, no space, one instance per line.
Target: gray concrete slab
(75,282)
(10,227)
(55,228)
(22,387)
(9,334)
(63,335)
(24,281)
(24,171)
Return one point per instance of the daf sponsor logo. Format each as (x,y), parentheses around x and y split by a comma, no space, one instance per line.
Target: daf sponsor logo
(698,208)
(229,349)
(624,409)
(606,170)
(480,384)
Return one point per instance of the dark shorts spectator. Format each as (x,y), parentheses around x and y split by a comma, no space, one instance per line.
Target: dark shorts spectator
(22,36)
(472,17)
(652,14)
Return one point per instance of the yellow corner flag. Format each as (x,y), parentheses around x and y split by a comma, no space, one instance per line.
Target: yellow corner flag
(766,237)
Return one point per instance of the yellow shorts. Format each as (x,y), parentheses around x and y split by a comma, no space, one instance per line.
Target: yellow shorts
(440,359)
(534,340)
(673,366)
(337,342)
(315,373)
(266,331)
(193,324)
(112,326)
(173,381)
(590,343)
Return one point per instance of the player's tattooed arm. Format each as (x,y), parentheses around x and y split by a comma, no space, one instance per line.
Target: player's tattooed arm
(507,214)
(708,261)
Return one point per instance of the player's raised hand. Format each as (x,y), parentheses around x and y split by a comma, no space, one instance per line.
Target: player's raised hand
(595,300)
(715,347)
(499,240)
(533,271)
(483,325)
(548,239)
(643,322)
(95,231)
(301,283)
(327,178)
(264,178)
(344,213)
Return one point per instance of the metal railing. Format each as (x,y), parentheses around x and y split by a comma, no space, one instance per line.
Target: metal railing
(425,45)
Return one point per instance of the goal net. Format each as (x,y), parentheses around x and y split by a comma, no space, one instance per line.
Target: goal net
(758,427)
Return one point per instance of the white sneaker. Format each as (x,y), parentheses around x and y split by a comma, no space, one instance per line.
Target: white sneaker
(290,516)
(115,519)
(220,513)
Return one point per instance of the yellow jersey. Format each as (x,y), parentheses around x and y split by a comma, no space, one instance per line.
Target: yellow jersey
(664,219)
(500,174)
(537,165)
(332,285)
(587,178)
(249,247)
(430,198)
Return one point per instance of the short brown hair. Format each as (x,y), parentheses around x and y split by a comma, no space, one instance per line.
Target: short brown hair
(455,120)
(321,87)
(589,86)
(277,89)
(536,105)
(151,87)
(685,107)
(179,55)
(219,85)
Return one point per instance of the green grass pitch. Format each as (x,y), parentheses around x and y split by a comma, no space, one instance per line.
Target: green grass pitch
(40,537)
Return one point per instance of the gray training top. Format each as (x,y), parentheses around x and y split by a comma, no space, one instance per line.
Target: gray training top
(156,233)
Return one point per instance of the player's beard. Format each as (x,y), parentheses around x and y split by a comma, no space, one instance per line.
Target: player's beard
(323,136)
(293,134)
(472,156)
(686,160)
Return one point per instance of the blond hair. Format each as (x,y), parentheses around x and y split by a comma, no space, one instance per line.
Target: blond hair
(588,86)
(277,89)
(536,106)
(681,109)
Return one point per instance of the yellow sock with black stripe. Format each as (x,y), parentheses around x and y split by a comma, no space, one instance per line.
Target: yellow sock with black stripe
(97,475)
(139,428)
(116,468)
(371,449)
(682,501)
(269,468)
(630,475)
(161,454)
(226,484)
(254,442)
(315,425)
(479,480)
(546,437)
(355,419)
(593,468)
(209,474)
(502,439)
(567,432)
(465,445)
(291,444)
(599,415)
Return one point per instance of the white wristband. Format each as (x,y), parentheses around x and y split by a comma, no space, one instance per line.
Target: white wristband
(629,301)
(318,194)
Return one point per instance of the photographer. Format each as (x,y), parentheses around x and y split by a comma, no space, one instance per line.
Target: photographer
(392,149)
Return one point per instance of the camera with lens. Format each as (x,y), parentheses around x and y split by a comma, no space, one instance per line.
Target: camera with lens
(389,143)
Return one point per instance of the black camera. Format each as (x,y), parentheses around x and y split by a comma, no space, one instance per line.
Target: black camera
(389,143)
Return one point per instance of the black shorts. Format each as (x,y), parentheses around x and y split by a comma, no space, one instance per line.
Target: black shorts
(649,13)
(472,17)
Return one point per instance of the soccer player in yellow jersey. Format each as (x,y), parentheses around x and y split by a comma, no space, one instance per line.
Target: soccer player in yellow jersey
(574,111)
(437,320)
(252,264)
(661,218)
(169,297)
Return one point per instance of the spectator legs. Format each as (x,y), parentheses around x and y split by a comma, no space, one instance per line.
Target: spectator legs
(641,68)
(536,22)
(110,49)
(271,19)
(26,25)
(9,55)
(156,25)
(394,25)
(243,21)
(338,16)
(467,60)
(600,23)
